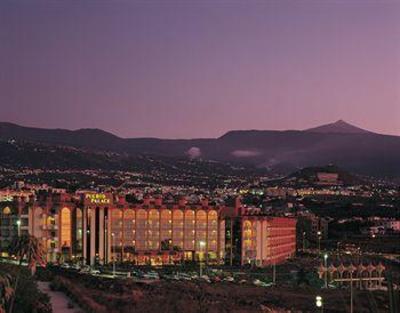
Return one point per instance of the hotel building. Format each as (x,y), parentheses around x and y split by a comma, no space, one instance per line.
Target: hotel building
(267,240)
(99,227)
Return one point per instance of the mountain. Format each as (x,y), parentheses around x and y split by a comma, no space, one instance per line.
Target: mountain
(339,126)
(339,143)
(364,153)
(88,138)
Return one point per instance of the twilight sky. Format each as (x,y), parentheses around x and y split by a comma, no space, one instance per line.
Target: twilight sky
(184,69)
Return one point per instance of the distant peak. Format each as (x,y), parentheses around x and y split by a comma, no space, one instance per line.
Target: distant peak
(342,123)
(339,126)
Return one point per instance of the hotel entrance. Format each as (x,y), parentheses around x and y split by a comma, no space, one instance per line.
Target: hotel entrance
(188,255)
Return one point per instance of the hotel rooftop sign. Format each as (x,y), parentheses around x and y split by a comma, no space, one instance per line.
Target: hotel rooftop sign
(98,198)
(6,198)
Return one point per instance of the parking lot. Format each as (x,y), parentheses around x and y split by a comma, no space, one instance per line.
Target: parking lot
(209,274)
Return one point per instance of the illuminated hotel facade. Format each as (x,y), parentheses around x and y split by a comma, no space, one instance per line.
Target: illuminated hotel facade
(267,240)
(98,228)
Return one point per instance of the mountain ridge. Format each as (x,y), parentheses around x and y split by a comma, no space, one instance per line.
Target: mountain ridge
(340,126)
(360,151)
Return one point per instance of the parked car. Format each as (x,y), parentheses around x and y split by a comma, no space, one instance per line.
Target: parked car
(206,278)
(229,278)
(184,276)
(76,267)
(85,269)
(151,275)
(94,271)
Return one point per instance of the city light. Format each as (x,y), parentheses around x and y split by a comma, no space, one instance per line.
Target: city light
(19,227)
(318,301)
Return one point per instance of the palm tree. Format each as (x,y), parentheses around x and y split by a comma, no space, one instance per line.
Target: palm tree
(6,291)
(28,248)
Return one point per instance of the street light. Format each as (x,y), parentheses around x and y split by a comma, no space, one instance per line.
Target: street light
(319,303)
(319,242)
(19,227)
(351,292)
(326,269)
(113,252)
(201,244)
(274,273)
(304,241)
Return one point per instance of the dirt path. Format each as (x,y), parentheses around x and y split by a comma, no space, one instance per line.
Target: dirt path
(59,301)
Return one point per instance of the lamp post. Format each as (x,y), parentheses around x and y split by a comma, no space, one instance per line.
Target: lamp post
(274,273)
(19,227)
(326,269)
(113,252)
(319,242)
(80,245)
(351,292)
(304,241)
(319,303)
(201,244)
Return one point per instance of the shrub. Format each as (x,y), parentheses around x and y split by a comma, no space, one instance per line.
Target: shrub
(44,274)
(28,298)
(79,295)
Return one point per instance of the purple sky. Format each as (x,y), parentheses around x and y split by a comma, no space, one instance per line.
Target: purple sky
(185,69)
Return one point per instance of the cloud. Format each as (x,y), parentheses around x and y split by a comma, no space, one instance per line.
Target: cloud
(194,152)
(245,153)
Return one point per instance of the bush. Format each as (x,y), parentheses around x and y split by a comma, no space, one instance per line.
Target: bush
(55,285)
(28,298)
(77,294)
(44,274)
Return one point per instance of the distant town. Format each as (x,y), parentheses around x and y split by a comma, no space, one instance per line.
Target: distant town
(260,230)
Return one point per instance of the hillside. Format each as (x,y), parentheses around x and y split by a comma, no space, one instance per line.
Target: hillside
(310,175)
(356,150)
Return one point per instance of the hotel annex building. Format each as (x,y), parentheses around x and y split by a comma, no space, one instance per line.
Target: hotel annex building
(97,227)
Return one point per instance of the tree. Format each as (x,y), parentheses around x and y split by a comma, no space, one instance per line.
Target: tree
(28,248)
(302,277)
(6,291)
(166,244)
